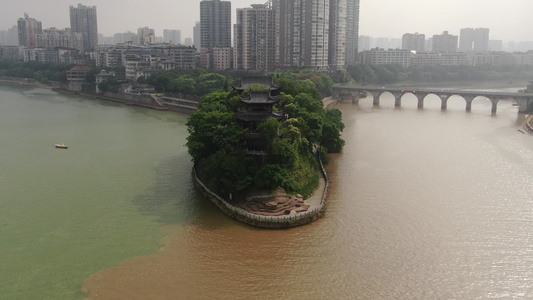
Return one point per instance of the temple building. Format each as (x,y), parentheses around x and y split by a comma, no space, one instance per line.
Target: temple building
(259,107)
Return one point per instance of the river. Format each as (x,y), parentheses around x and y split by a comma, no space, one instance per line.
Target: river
(423,204)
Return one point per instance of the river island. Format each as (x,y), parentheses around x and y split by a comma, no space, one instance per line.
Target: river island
(258,150)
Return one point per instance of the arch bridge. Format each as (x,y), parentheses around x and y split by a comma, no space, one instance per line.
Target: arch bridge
(524,101)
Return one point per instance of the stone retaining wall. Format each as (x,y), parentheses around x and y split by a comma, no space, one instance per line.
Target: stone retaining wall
(271,222)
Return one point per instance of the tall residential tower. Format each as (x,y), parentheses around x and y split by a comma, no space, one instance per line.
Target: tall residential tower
(337,34)
(254,38)
(28,28)
(215,24)
(472,39)
(352,31)
(83,20)
(414,42)
(303,33)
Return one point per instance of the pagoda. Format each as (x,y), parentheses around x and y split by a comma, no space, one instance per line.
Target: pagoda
(248,81)
(259,107)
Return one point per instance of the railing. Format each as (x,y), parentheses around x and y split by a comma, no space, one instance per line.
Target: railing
(273,219)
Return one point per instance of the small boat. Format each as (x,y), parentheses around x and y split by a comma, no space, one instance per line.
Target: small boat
(61,146)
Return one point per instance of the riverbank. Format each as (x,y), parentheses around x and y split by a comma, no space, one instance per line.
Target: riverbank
(142,100)
(151,101)
(25,82)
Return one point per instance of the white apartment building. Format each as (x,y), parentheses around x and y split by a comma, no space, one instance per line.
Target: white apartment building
(303,33)
(254,38)
(83,19)
(379,56)
(57,38)
(337,34)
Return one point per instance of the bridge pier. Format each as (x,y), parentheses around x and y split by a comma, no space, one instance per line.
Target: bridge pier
(420,97)
(494,101)
(397,99)
(444,101)
(468,100)
(376,96)
(494,107)
(524,101)
(355,97)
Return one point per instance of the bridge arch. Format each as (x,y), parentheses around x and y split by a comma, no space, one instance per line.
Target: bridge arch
(525,101)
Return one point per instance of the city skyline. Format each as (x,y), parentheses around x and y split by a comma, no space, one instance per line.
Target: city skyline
(383,18)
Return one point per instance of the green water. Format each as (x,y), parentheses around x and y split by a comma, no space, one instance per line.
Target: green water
(66,214)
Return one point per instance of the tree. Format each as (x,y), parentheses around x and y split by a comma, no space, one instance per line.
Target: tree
(269,177)
(208,83)
(160,80)
(109,85)
(184,84)
(218,151)
(212,127)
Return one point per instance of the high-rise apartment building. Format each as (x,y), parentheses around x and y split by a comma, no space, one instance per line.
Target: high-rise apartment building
(215,24)
(28,28)
(172,36)
(125,37)
(352,31)
(303,33)
(83,19)
(414,42)
(472,39)
(254,38)
(146,36)
(444,42)
(9,37)
(337,34)
(197,36)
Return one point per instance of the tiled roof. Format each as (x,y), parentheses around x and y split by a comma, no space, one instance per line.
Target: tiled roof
(80,67)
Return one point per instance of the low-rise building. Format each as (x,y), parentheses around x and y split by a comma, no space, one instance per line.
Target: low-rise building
(12,53)
(222,58)
(141,66)
(379,56)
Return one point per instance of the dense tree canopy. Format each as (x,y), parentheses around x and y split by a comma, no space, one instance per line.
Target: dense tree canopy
(196,82)
(217,148)
(42,72)
(389,74)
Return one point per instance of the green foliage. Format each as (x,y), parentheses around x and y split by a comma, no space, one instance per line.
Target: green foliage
(226,171)
(209,83)
(216,146)
(42,72)
(109,85)
(270,177)
(387,74)
(256,87)
(331,139)
(295,82)
(212,128)
(183,84)
(196,82)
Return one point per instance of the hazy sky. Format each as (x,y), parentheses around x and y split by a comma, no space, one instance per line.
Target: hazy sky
(508,20)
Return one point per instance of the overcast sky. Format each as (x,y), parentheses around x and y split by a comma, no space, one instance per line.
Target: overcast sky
(508,20)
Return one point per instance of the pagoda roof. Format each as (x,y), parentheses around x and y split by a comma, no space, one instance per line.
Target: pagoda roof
(260,98)
(248,81)
(80,67)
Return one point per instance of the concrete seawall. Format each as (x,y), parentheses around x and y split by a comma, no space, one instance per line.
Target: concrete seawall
(317,209)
